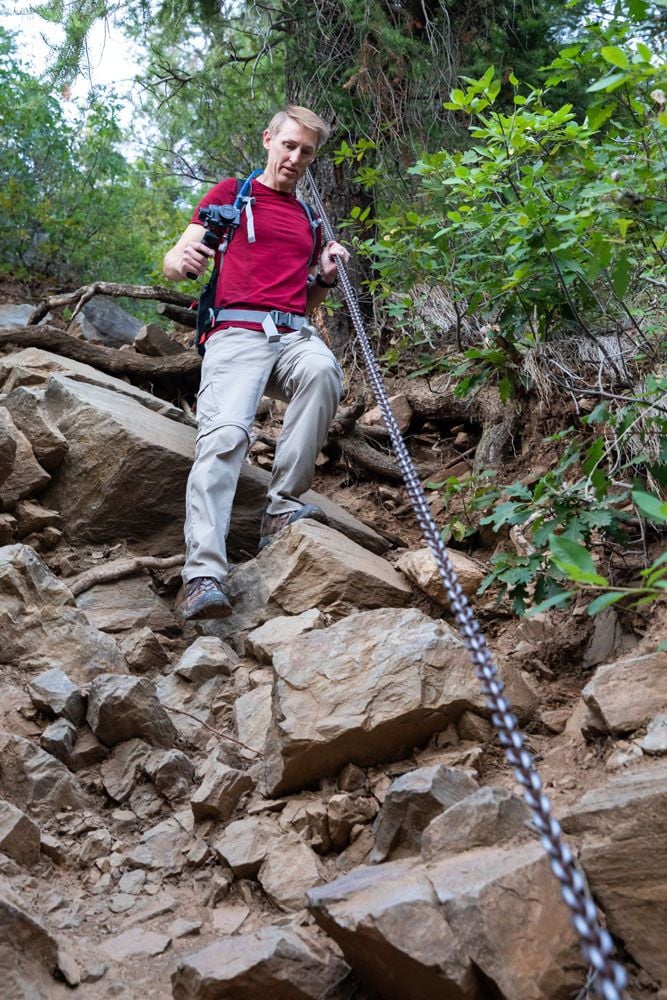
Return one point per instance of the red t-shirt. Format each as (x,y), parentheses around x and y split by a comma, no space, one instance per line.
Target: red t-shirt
(270,273)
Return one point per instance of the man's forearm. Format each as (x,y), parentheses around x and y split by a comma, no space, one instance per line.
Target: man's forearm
(315,296)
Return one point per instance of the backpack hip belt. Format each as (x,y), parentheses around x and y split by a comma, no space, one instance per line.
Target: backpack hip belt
(269,321)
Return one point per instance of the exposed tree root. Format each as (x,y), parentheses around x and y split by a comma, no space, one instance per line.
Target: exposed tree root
(106,359)
(118,569)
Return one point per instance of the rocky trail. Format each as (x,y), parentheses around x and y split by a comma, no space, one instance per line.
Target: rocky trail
(305,800)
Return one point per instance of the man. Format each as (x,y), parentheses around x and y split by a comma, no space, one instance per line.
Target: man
(251,353)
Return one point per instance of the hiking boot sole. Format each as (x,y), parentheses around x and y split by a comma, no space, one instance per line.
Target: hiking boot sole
(208,607)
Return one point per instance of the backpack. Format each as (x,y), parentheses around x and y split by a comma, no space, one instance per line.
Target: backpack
(242,202)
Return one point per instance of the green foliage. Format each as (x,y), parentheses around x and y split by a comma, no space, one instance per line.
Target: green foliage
(71,205)
(546,225)
(579,506)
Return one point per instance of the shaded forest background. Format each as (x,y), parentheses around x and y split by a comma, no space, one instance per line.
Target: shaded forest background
(500,169)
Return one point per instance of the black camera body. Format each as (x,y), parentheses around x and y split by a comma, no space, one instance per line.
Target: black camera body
(220,221)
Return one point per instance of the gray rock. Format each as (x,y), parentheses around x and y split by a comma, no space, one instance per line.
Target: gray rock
(27,477)
(8,449)
(289,870)
(122,706)
(277,962)
(26,406)
(87,751)
(162,846)
(96,844)
(220,792)
(172,773)
(19,836)
(136,944)
(624,854)
(206,657)
(310,565)
(655,741)
(58,739)
(15,314)
(245,844)
(412,801)
(369,689)
(32,779)
(142,650)
(123,768)
(488,923)
(106,322)
(486,818)
(41,627)
(28,953)
(179,694)
(262,642)
(54,694)
(252,716)
(126,604)
(627,694)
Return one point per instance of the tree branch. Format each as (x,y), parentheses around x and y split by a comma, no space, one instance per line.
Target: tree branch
(106,359)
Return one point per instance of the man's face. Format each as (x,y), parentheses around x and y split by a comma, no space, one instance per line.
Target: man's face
(291,149)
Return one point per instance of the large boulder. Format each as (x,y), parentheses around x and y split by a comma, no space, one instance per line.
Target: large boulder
(277,962)
(33,780)
(368,689)
(489,923)
(128,461)
(624,828)
(309,565)
(40,625)
(125,471)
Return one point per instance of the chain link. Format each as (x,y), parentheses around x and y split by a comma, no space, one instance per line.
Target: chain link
(609,977)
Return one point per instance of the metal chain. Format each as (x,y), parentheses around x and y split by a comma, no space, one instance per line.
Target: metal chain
(597,946)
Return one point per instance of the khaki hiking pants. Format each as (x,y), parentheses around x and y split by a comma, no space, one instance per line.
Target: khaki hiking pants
(239,367)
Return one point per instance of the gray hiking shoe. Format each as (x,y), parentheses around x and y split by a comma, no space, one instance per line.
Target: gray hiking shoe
(205,598)
(273,523)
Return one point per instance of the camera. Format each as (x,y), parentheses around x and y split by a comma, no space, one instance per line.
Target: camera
(219,218)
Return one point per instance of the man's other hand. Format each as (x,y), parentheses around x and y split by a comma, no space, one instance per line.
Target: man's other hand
(331,251)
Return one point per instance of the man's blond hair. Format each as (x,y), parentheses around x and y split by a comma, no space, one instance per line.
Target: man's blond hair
(304,117)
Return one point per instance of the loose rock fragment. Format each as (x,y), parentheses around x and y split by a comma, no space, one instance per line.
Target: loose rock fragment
(123,706)
(53,693)
(412,802)
(275,962)
(19,836)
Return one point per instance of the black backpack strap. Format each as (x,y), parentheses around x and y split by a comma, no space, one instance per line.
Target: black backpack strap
(314,222)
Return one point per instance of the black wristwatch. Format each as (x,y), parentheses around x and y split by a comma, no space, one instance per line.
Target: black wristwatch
(325,284)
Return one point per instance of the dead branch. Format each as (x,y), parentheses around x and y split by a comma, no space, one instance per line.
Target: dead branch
(106,359)
(86,292)
(216,732)
(177,314)
(118,569)
(358,452)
